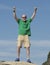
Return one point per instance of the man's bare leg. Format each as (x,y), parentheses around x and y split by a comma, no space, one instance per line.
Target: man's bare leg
(18,54)
(28,54)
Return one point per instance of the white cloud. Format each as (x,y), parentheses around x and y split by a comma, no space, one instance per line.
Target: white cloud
(41,43)
(6,54)
(6,42)
(4,7)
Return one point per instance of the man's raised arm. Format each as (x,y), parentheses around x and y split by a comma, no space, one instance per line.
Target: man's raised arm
(34,13)
(14,13)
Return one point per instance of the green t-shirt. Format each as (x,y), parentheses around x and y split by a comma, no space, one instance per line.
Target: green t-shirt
(24,27)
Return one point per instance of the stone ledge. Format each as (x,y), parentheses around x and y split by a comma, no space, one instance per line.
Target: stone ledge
(15,63)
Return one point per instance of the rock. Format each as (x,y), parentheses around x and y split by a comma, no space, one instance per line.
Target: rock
(48,60)
(15,63)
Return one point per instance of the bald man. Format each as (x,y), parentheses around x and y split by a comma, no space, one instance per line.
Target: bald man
(24,33)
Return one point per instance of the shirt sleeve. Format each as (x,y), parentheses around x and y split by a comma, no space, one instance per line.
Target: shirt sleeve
(30,20)
(18,20)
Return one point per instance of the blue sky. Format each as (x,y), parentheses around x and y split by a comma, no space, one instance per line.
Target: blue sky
(40,29)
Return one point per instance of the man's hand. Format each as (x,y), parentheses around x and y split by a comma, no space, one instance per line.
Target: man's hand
(14,9)
(35,9)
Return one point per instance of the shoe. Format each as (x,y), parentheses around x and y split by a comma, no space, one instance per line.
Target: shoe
(17,59)
(29,61)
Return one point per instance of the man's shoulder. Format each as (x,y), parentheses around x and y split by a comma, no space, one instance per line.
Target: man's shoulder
(29,19)
(19,20)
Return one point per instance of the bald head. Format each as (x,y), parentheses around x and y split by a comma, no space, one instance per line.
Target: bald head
(24,17)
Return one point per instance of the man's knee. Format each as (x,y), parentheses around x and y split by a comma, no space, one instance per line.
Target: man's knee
(19,47)
(27,48)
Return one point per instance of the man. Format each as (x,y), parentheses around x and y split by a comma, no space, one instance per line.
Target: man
(24,33)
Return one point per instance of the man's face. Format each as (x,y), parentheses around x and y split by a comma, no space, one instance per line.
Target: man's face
(24,17)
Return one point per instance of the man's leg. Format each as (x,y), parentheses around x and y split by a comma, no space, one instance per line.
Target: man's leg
(27,46)
(19,45)
(28,54)
(18,52)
